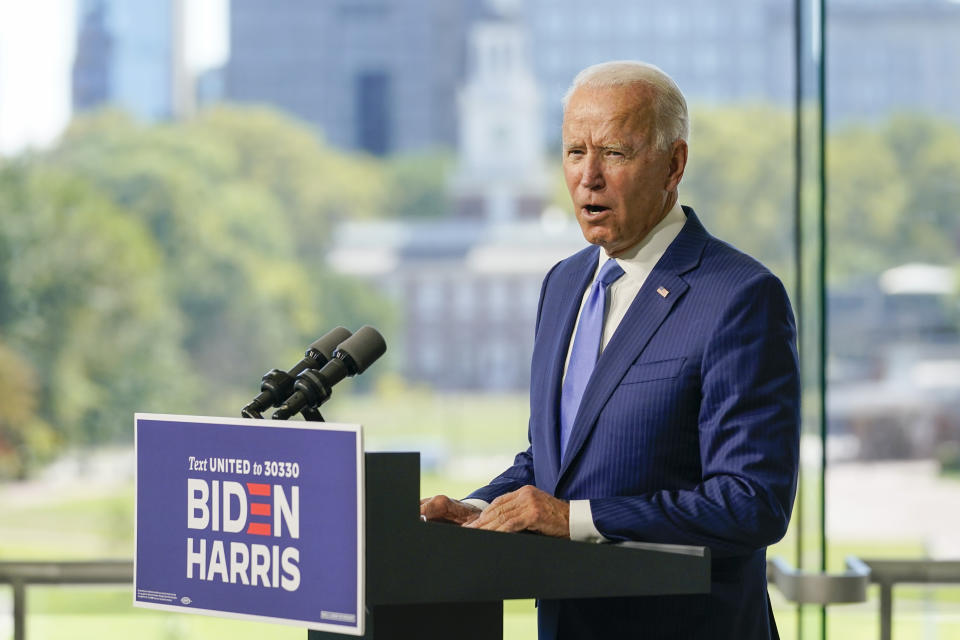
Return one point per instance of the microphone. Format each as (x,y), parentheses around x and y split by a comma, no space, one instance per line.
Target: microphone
(313,387)
(276,385)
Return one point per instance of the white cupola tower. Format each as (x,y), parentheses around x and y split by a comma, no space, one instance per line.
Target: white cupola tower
(501,175)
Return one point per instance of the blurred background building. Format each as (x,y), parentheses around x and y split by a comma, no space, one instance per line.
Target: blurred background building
(893,55)
(131,56)
(467,285)
(377,75)
(382,75)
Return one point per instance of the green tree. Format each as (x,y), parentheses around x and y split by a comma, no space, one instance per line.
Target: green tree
(85,304)
(24,436)
(893,193)
(241,202)
(739,178)
(867,198)
(166,267)
(417,184)
(927,153)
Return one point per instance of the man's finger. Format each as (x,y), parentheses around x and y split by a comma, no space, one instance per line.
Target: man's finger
(527,508)
(435,507)
(505,513)
(445,509)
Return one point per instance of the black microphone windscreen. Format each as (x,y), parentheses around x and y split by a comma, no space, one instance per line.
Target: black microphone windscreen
(364,347)
(328,343)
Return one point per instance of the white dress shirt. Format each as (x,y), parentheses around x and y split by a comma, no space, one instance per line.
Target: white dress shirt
(637,263)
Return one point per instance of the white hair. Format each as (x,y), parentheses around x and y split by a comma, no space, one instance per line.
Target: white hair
(671,120)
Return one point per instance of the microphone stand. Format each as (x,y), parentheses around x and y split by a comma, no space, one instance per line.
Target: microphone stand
(311,414)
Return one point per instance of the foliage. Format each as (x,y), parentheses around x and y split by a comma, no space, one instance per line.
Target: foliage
(893,189)
(84,303)
(739,178)
(919,217)
(164,267)
(23,435)
(417,184)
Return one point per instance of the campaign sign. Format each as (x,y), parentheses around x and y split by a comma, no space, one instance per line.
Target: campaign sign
(251,519)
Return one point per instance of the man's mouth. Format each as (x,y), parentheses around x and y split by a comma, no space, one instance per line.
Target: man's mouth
(595,209)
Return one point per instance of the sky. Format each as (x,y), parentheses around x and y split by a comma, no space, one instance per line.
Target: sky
(37,43)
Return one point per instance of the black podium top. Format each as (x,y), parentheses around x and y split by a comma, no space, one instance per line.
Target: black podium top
(409,561)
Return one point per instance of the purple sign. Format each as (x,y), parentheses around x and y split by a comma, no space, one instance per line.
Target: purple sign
(251,519)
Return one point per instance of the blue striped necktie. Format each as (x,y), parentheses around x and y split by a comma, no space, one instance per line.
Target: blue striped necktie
(586,349)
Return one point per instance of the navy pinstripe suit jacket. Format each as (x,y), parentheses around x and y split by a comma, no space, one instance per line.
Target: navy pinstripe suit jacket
(688,433)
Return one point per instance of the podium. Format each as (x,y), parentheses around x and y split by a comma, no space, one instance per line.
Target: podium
(430,580)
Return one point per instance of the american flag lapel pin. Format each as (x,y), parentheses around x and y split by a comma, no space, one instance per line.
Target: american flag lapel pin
(663,292)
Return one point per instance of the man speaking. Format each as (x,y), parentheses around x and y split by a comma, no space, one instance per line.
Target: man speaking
(664,390)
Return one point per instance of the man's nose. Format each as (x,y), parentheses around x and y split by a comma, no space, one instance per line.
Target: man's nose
(592,176)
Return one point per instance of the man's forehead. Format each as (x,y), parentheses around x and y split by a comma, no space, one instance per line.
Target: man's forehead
(636,95)
(614,111)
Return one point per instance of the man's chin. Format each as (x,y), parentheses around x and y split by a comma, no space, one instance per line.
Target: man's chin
(594,234)
(593,237)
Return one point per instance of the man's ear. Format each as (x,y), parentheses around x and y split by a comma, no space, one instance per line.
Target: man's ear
(678,162)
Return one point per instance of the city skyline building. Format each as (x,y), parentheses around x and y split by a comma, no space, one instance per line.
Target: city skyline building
(379,76)
(884,56)
(892,56)
(739,51)
(382,77)
(131,56)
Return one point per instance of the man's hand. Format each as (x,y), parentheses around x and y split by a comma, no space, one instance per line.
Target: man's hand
(526,509)
(445,509)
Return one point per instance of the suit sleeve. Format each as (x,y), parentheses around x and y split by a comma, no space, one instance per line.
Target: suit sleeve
(748,431)
(518,475)
(521,472)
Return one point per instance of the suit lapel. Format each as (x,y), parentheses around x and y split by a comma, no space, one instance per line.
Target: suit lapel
(646,314)
(574,283)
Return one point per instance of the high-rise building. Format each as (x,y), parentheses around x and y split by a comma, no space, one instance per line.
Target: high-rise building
(743,51)
(377,75)
(892,55)
(131,55)
(718,52)
(91,67)
(382,75)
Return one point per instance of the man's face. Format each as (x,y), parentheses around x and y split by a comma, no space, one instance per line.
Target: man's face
(621,186)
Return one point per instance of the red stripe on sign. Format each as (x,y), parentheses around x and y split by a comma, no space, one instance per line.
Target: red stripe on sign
(258,529)
(259,508)
(256,489)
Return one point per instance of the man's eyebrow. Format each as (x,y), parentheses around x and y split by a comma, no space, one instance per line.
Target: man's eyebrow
(620,147)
